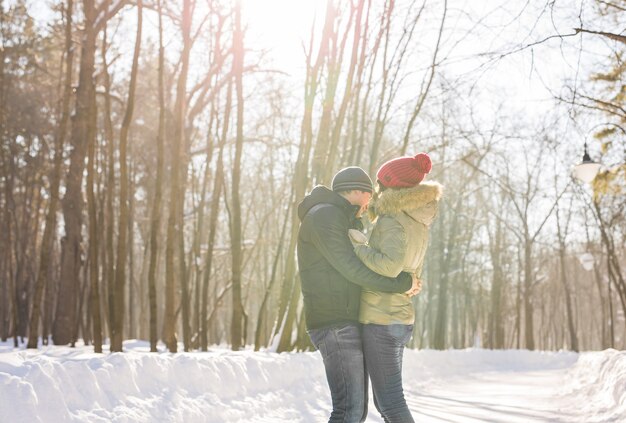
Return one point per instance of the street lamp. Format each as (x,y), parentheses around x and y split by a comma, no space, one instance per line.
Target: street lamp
(587,170)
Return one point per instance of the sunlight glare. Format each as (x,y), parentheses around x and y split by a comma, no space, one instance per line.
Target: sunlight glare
(282,27)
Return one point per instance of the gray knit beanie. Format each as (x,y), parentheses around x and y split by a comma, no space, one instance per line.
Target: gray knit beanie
(350,178)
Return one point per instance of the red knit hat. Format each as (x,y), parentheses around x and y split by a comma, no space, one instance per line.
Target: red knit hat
(404,172)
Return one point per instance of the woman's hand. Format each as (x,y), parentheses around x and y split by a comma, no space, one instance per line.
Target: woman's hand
(357,237)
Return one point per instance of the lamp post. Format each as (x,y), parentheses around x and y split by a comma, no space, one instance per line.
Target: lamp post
(587,169)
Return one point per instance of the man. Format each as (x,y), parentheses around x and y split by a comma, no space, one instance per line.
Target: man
(332,277)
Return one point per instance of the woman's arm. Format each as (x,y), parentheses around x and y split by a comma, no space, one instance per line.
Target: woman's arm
(387,258)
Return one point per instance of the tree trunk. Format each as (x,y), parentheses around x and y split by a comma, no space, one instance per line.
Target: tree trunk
(528,306)
(613,261)
(333,151)
(285,343)
(175,225)
(496,324)
(380,124)
(9,220)
(5,246)
(215,201)
(55,181)
(158,195)
(425,84)
(283,325)
(132,304)
(604,342)
(270,286)
(325,55)
(236,330)
(441,322)
(93,239)
(566,289)
(109,247)
(72,203)
(218,185)
(120,264)
(518,306)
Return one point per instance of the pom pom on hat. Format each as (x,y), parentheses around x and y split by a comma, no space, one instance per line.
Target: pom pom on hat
(423,163)
(404,172)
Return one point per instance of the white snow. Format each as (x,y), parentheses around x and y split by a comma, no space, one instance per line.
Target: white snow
(59,384)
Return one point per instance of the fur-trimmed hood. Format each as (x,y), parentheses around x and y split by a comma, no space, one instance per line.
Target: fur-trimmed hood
(419,202)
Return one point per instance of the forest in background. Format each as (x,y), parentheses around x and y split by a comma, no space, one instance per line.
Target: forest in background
(152,157)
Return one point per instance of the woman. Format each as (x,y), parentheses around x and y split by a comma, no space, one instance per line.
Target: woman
(404,207)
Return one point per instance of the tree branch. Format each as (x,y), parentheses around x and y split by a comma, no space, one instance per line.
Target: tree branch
(612,36)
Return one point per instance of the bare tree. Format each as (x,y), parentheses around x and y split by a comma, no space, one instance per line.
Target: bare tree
(95,17)
(236,335)
(120,265)
(55,178)
(174,241)
(561,231)
(158,188)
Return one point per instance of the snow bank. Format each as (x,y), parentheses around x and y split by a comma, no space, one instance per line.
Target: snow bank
(63,384)
(59,384)
(598,385)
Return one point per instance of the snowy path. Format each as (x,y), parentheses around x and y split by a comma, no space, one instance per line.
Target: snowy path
(516,386)
(58,384)
(495,397)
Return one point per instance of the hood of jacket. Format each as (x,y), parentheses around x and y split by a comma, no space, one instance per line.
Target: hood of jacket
(420,202)
(323,195)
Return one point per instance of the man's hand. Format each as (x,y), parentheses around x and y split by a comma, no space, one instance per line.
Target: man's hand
(415,288)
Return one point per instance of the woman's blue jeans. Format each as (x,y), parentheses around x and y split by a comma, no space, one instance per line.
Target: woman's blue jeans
(342,350)
(383,346)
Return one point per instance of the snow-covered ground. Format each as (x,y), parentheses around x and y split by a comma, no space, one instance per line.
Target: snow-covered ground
(59,384)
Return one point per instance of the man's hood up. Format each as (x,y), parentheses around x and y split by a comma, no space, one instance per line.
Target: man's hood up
(321,194)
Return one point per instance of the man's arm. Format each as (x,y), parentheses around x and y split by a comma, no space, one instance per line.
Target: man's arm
(330,237)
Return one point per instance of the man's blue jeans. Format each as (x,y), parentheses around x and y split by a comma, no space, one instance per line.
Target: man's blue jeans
(342,351)
(383,346)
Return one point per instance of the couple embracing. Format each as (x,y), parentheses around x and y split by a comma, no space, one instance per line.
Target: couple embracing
(357,292)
